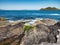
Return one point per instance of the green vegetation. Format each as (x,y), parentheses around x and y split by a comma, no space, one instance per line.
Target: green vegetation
(28,27)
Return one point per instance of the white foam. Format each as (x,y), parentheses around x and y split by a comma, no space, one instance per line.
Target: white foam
(39,18)
(54,14)
(33,21)
(11,21)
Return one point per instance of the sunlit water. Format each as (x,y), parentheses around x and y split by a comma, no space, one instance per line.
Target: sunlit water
(29,14)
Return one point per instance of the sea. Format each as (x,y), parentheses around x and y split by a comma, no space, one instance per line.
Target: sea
(30,14)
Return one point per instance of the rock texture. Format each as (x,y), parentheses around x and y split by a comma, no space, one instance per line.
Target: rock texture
(40,34)
(49,21)
(11,34)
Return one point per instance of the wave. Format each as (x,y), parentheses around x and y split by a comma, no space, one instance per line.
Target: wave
(54,14)
(45,14)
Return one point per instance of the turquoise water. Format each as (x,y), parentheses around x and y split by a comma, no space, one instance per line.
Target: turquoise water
(29,14)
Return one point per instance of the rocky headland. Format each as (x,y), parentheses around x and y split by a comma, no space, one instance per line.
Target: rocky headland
(30,32)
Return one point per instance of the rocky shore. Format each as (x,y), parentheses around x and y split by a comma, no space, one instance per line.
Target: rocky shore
(30,32)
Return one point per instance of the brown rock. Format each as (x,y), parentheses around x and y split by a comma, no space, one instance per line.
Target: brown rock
(49,21)
(11,35)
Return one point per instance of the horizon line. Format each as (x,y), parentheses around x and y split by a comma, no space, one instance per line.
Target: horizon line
(27,9)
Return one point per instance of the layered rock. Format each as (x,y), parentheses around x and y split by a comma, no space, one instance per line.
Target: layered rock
(11,34)
(16,34)
(42,33)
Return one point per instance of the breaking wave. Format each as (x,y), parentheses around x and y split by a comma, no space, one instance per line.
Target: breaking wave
(54,14)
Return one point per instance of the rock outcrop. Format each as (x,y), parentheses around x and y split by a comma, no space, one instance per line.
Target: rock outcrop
(11,34)
(16,34)
(42,33)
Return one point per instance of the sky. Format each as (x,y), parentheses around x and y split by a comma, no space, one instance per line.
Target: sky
(28,4)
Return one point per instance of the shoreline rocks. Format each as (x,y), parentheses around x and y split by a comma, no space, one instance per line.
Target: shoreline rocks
(43,31)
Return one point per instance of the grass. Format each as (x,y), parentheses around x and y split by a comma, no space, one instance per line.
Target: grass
(28,27)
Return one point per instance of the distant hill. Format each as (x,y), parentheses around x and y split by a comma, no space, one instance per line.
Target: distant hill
(50,8)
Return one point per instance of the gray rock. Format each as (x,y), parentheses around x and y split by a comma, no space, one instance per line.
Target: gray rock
(36,36)
(57,25)
(11,30)
(42,33)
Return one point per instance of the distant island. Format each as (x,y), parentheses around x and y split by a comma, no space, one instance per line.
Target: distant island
(50,8)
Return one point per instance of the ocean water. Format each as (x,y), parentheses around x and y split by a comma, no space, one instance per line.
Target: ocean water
(29,14)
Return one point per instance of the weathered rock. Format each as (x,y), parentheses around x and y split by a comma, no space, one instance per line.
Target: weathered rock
(17,28)
(57,25)
(15,34)
(41,34)
(2,19)
(49,21)
(5,32)
(54,29)
(11,34)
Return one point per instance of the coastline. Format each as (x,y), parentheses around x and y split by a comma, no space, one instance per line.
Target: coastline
(8,22)
(14,29)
